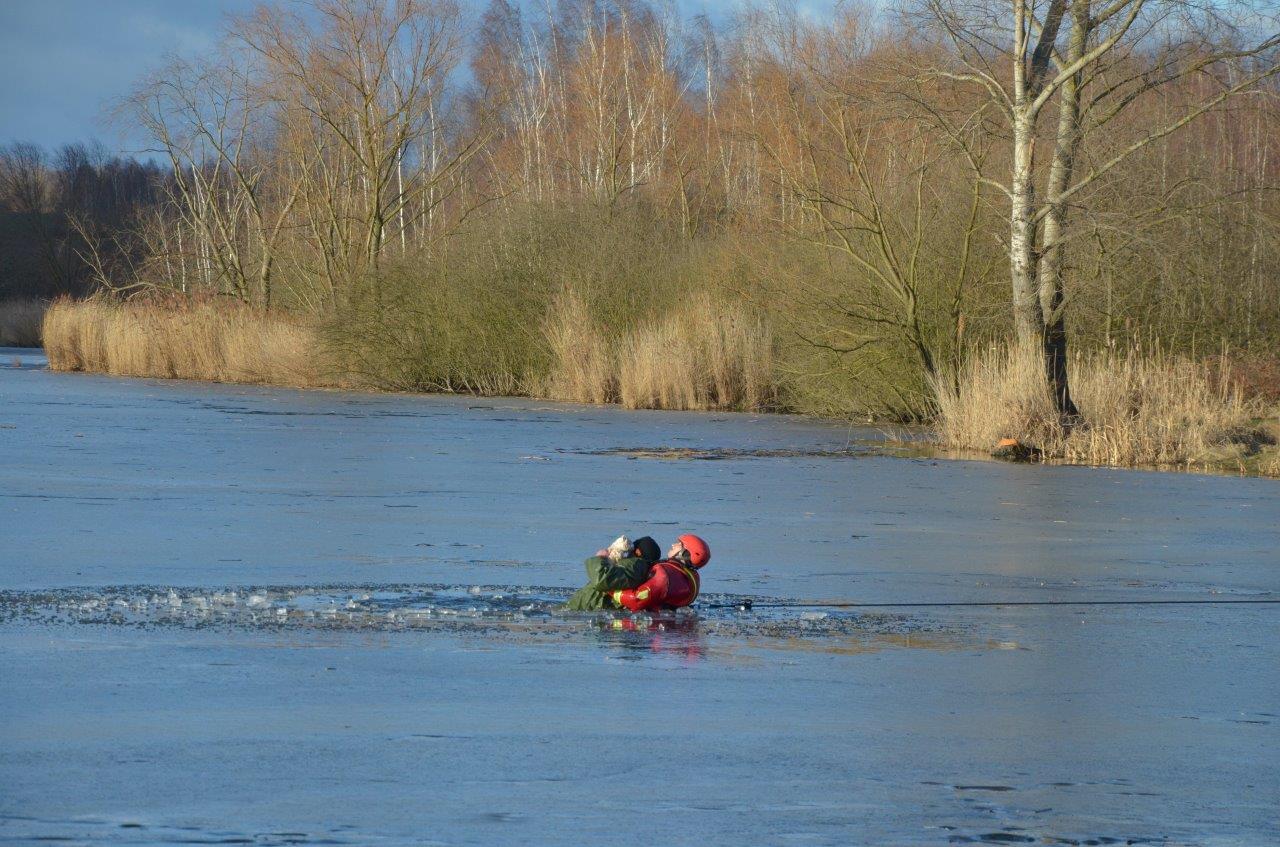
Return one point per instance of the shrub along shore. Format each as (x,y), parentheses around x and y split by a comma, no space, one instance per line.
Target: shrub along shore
(1150,410)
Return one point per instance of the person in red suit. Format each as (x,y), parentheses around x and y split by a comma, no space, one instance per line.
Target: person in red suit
(673,582)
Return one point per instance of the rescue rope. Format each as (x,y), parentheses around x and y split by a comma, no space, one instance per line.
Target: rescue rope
(746,604)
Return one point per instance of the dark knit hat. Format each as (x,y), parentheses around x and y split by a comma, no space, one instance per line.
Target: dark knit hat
(646,548)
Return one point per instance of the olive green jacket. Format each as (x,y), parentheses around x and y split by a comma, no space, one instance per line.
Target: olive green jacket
(605,576)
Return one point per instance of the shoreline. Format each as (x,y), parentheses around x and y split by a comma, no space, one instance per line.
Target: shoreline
(893,445)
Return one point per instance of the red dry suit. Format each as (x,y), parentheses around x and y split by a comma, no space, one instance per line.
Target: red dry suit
(671,584)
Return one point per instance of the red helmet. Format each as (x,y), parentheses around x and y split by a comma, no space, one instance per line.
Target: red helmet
(699,552)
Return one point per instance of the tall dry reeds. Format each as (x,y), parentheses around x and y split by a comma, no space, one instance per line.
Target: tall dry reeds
(220,342)
(20,322)
(704,355)
(584,361)
(1138,408)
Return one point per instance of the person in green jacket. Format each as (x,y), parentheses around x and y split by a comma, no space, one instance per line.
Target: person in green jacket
(623,564)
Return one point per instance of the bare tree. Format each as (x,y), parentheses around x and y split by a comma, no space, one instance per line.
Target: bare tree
(877,190)
(359,91)
(210,121)
(1094,61)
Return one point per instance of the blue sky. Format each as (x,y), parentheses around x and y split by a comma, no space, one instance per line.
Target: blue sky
(62,62)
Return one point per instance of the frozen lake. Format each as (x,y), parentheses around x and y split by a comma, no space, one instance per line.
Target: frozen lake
(250,615)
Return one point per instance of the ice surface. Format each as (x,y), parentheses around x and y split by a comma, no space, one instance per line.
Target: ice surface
(250,615)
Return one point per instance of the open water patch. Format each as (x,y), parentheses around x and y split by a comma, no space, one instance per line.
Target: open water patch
(509,612)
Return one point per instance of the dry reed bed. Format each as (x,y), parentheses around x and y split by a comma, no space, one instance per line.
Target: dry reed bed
(1137,408)
(20,322)
(584,368)
(706,355)
(219,342)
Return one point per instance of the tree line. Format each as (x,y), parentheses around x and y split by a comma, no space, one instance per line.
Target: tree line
(899,184)
(52,206)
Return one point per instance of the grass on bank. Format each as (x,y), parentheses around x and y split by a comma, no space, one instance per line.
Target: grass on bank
(20,322)
(1138,408)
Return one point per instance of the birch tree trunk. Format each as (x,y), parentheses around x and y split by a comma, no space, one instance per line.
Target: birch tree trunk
(1023,262)
(1052,268)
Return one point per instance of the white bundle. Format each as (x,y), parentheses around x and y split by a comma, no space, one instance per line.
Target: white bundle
(620,548)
